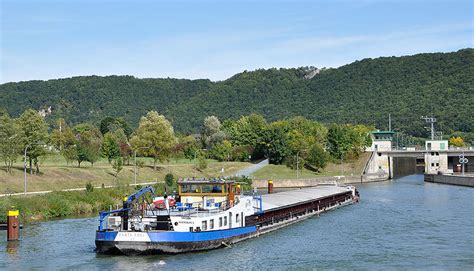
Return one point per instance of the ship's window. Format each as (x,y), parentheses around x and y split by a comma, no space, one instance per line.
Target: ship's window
(432,153)
(204,225)
(211,224)
(225,220)
(437,153)
(432,164)
(220,222)
(190,188)
(437,164)
(212,188)
(237,218)
(380,154)
(217,188)
(207,188)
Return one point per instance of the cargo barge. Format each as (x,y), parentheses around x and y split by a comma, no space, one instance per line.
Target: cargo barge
(208,214)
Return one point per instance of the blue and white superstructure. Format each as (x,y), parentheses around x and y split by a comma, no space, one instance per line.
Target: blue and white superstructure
(208,214)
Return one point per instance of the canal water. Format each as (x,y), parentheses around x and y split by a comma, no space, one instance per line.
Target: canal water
(400,224)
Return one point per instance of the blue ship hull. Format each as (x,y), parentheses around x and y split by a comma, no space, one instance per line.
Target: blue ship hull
(166,242)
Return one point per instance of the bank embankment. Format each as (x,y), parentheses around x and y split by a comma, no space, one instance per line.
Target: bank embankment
(308,182)
(63,203)
(450,179)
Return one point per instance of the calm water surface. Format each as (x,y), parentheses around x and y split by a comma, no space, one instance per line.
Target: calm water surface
(401,224)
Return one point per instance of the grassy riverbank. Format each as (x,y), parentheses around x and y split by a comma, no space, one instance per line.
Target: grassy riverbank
(60,204)
(56,174)
(275,172)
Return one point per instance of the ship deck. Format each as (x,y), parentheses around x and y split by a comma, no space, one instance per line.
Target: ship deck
(295,197)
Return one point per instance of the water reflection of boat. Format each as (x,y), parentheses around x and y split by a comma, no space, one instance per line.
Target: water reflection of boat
(209,214)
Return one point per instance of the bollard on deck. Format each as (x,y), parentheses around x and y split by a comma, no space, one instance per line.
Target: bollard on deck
(13,225)
(270,186)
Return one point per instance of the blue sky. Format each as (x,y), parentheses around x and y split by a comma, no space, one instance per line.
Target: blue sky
(216,39)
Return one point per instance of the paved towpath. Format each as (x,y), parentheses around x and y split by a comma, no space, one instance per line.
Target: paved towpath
(251,169)
(71,189)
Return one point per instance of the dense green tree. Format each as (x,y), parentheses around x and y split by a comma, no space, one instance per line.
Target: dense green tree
(110,148)
(88,145)
(248,130)
(275,143)
(64,140)
(110,124)
(154,137)
(10,146)
(347,141)
(222,151)
(34,135)
(201,160)
(211,132)
(317,158)
(189,146)
(169,180)
(70,151)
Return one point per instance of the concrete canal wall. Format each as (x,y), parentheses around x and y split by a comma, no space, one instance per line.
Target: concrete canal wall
(450,179)
(289,183)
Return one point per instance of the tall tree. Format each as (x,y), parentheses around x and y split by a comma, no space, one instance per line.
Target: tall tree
(189,146)
(88,144)
(154,137)
(211,132)
(9,143)
(275,143)
(317,158)
(110,124)
(57,135)
(34,134)
(64,140)
(110,148)
(222,151)
(248,130)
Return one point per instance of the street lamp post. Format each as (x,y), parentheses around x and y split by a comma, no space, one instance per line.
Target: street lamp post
(135,163)
(342,165)
(24,169)
(297,165)
(342,161)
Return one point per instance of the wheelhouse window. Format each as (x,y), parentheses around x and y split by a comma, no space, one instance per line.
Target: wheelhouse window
(220,222)
(206,188)
(190,188)
(211,224)
(204,225)
(225,220)
(212,188)
(237,218)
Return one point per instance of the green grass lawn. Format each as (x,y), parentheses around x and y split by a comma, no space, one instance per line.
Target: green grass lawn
(56,174)
(275,172)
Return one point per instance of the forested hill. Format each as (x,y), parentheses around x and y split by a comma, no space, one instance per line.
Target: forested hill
(365,91)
